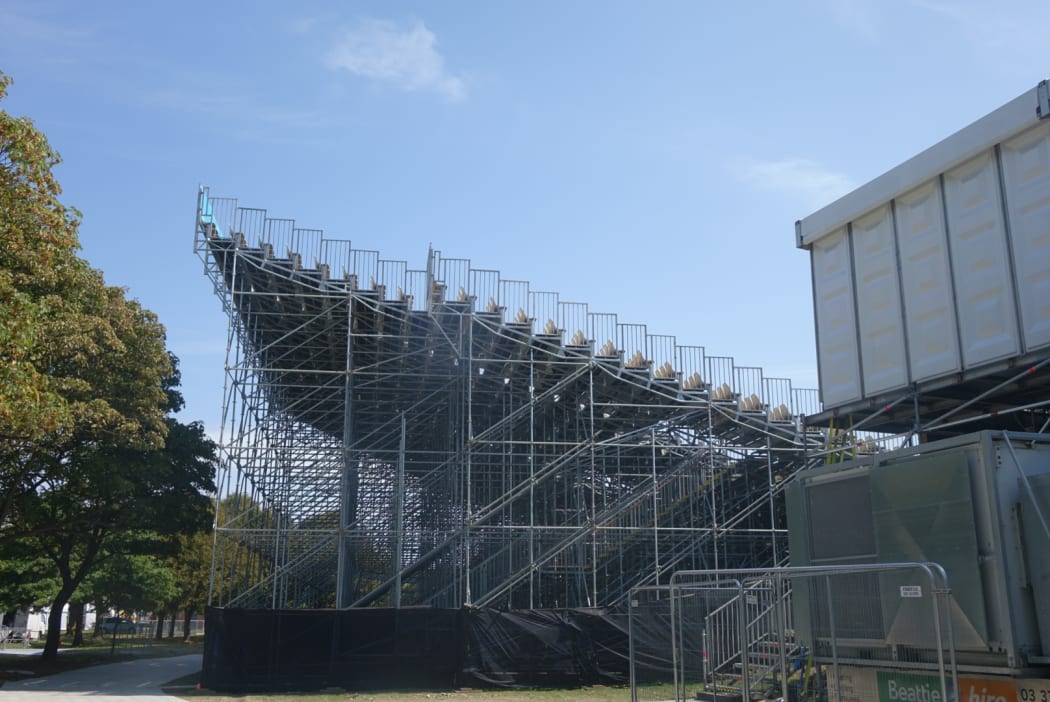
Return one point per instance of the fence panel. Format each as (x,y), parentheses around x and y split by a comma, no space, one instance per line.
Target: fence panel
(843,633)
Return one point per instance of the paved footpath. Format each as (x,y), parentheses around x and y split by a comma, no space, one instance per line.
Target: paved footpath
(129,681)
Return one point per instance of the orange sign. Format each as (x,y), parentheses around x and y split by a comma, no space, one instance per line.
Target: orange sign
(987,690)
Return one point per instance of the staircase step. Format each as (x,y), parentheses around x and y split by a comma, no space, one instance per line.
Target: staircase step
(713,696)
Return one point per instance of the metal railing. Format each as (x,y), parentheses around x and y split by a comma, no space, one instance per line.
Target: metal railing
(788,632)
(11,637)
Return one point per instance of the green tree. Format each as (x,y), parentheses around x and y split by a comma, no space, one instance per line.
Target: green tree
(38,266)
(27,579)
(79,363)
(132,583)
(192,567)
(238,557)
(89,461)
(124,502)
(87,485)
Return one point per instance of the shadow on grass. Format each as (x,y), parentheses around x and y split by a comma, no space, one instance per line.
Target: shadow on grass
(17,666)
(186,689)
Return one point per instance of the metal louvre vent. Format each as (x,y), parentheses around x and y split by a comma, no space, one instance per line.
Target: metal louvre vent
(841,521)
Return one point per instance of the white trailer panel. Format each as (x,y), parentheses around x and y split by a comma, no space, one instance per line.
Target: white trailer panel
(939,266)
(879,303)
(837,339)
(926,283)
(1026,173)
(981,267)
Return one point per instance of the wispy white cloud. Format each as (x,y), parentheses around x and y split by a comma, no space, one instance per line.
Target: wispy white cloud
(408,58)
(807,181)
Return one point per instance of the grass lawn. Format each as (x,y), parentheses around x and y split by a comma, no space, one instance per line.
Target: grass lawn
(98,652)
(95,651)
(598,693)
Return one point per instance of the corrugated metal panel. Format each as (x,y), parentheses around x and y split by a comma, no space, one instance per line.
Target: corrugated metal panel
(924,512)
(952,502)
(841,526)
(970,222)
(1011,119)
(836,321)
(980,263)
(933,348)
(1026,172)
(879,303)
(1036,546)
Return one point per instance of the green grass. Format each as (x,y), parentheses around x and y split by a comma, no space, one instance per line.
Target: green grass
(95,651)
(598,693)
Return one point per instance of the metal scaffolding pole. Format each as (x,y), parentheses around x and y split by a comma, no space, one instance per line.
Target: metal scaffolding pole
(406,437)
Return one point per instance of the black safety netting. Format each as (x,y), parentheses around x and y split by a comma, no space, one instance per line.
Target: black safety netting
(424,648)
(544,648)
(254,649)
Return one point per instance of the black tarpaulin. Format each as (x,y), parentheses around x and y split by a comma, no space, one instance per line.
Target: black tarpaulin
(373,648)
(248,649)
(526,648)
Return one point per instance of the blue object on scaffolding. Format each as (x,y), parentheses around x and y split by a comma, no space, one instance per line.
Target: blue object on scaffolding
(206,215)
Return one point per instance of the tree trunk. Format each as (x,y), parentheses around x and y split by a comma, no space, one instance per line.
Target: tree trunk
(54,623)
(160,625)
(71,579)
(97,630)
(171,623)
(76,622)
(186,619)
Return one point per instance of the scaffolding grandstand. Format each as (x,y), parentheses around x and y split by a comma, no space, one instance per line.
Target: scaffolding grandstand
(447,437)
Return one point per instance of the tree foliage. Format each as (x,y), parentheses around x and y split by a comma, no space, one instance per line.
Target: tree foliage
(92,468)
(122,503)
(191,566)
(236,559)
(38,271)
(27,578)
(79,363)
(132,583)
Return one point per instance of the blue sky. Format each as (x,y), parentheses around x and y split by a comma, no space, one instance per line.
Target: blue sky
(647,158)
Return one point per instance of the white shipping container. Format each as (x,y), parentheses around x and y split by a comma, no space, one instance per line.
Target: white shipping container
(837,345)
(939,266)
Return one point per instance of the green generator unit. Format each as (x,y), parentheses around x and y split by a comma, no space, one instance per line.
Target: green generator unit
(978,505)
